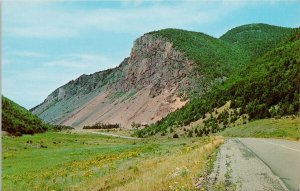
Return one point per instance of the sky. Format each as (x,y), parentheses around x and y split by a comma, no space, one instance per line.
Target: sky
(45,44)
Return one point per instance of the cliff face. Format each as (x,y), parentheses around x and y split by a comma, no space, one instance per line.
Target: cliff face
(144,88)
(154,63)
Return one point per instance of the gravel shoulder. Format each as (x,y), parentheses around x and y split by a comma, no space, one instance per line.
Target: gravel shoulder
(238,168)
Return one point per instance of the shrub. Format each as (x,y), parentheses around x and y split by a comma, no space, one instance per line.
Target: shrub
(103,126)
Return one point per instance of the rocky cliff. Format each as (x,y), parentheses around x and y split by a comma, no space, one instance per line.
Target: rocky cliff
(144,88)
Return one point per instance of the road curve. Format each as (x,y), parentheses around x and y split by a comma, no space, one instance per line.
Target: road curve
(281,156)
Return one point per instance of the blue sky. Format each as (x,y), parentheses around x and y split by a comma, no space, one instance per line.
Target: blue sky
(48,43)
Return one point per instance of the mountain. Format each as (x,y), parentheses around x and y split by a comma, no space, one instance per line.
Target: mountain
(256,39)
(155,80)
(266,87)
(17,120)
(165,70)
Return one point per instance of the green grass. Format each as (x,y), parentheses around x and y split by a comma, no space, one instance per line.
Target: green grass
(286,128)
(66,161)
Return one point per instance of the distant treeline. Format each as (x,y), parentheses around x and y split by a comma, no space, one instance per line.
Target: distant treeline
(103,126)
(59,127)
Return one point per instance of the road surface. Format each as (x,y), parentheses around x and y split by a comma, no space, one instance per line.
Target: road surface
(258,164)
(282,157)
(105,134)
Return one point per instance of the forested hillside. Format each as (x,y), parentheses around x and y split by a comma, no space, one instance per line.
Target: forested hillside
(256,39)
(17,120)
(267,87)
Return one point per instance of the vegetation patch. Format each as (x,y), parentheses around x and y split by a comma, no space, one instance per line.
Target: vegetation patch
(16,120)
(287,128)
(101,163)
(256,38)
(103,126)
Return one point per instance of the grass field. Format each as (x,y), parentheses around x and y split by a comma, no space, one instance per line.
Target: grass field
(286,128)
(67,161)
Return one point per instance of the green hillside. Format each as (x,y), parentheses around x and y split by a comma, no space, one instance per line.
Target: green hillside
(17,120)
(214,58)
(266,87)
(256,38)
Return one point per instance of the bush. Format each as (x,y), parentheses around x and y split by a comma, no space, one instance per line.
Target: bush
(60,127)
(175,135)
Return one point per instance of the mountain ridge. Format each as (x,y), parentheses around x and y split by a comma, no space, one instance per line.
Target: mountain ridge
(161,69)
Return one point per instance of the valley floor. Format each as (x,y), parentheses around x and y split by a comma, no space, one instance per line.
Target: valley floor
(88,161)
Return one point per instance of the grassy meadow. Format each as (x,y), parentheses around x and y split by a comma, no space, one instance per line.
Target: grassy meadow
(67,161)
(285,128)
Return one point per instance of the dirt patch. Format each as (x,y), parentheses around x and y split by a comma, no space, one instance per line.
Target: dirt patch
(138,108)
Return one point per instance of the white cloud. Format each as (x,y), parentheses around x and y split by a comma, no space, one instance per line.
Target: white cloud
(40,32)
(23,53)
(43,20)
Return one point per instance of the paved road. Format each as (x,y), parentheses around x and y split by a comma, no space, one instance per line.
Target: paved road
(282,157)
(258,164)
(105,134)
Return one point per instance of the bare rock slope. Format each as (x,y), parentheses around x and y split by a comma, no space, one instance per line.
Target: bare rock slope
(144,88)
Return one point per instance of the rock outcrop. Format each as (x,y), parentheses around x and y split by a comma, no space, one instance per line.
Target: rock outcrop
(144,88)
